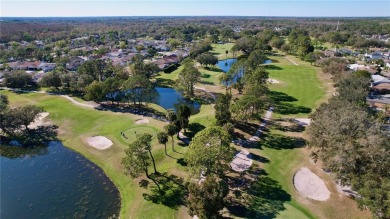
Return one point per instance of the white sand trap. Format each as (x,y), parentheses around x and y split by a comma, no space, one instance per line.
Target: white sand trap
(303,121)
(39,121)
(241,161)
(310,185)
(99,142)
(273,81)
(141,121)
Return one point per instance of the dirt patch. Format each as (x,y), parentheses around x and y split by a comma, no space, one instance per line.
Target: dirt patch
(99,142)
(39,121)
(142,121)
(310,185)
(303,121)
(273,81)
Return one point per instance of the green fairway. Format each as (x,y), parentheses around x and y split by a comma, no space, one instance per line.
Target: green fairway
(130,135)
(211,75)
(300,89)
(219,50)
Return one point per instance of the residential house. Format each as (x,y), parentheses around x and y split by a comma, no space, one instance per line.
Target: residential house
(74,63)
(166,61)
(379,101)
(372,56)
(46,67)
(28,66)
(380,83)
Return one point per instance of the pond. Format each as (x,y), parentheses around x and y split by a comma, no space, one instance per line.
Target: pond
(169,97)
(53,182)
(225,65)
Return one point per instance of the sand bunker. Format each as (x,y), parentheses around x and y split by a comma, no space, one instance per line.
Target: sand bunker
(141,121)
(39,121)
(310,185)
(99,142)
(273,81)
(241,161)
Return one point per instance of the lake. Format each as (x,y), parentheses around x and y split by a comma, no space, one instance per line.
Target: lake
(169,97)
(53,182)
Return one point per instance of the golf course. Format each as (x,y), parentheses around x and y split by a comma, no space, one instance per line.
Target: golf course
(279,155)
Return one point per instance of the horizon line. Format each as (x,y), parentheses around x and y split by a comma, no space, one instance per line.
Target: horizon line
(113,16)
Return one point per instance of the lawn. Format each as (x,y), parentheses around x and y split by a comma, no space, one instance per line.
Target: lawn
(76,123)
(300,89)
(220,49)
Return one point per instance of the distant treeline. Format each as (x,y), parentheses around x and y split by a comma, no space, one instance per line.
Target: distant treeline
(183,28)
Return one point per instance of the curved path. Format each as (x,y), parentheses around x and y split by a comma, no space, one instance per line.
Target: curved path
(291,61)
(86,104)
(243,159)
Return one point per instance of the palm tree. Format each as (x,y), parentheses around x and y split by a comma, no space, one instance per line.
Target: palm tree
(171,130)
(163,139)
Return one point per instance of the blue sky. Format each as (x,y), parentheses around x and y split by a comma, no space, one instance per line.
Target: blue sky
(299,8)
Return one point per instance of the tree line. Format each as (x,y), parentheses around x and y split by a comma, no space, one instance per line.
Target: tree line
(345,134)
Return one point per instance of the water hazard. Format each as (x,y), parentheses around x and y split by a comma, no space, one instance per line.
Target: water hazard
(53,182)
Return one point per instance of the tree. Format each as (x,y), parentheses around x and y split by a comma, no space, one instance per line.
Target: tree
(171,115)
(348,140)
(207,59)
(3,102)
(27,114)
(171,131)
(187,78)
(143,69)
(207,199)
(210,151)
(51,79)
(199,49)
(137,159)
(138,88)
(94,92)
(162,138)
(245,44)
(146,140)
(255,59)
(111,89)
(222,109)
(18,79)
(183,115)
(335,67)
(277,42)
(139,156)
(311,57)
(24,116)
(98,69)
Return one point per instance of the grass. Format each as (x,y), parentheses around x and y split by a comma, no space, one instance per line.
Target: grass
(210,75)
(219,50)
(300,88)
